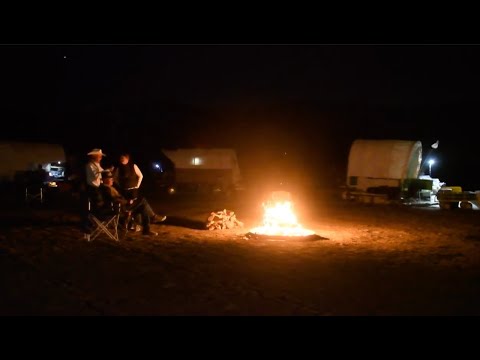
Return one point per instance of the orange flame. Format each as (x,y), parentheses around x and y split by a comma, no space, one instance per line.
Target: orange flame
(279,220)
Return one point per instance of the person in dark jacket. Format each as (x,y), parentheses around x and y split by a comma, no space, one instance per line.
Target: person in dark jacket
(128,177)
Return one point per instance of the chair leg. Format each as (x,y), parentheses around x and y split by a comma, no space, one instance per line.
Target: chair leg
(116,222)
(103,227)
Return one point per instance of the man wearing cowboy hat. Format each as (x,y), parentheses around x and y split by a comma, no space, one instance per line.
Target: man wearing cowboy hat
(93,168)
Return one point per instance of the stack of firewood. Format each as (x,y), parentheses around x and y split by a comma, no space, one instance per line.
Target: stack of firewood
(220,220)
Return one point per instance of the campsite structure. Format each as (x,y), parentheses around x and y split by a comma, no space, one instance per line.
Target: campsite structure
(382,171)
(212,169)
(21,157)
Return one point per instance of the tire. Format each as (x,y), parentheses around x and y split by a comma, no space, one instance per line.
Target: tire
(465,205)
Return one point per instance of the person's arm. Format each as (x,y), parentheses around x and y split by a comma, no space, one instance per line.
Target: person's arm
(139,174)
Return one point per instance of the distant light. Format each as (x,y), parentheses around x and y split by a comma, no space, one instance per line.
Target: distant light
(196,161)
(59,163)
(431,162)
(157,167)
(64,57)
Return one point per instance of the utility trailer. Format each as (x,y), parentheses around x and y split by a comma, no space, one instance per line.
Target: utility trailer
(453,197)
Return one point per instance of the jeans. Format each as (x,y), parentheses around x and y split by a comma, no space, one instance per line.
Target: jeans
(142,208)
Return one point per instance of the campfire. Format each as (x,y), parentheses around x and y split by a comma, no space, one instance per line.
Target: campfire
(279,220)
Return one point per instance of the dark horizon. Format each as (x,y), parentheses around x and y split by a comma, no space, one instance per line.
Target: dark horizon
(262,100)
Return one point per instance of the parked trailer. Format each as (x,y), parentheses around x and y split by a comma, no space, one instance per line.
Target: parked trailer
(21,157)
(205,168)
(454,198)
(382,171)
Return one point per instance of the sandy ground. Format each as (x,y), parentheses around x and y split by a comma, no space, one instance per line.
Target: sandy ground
(378,260)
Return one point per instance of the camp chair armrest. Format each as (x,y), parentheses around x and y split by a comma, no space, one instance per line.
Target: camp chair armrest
(116,207)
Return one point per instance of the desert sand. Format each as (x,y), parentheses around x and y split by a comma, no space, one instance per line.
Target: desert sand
(378,260)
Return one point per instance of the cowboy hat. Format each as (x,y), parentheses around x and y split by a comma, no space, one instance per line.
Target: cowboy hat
(96,152)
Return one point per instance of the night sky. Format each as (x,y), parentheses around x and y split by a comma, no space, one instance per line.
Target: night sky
(308,101)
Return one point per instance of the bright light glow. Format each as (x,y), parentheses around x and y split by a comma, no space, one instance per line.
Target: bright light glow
(59,163)
(196,161)
(431,162)
(157,166)
(279,220)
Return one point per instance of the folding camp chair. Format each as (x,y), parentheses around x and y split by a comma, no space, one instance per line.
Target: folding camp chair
(34,193)
(108,221)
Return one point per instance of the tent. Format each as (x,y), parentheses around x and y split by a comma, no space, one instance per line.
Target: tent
(20,157)
(382,163)
(205,166)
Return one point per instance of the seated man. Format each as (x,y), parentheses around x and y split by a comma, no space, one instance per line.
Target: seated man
(136,207)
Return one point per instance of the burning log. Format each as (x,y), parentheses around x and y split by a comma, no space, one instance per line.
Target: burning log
(221,220)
